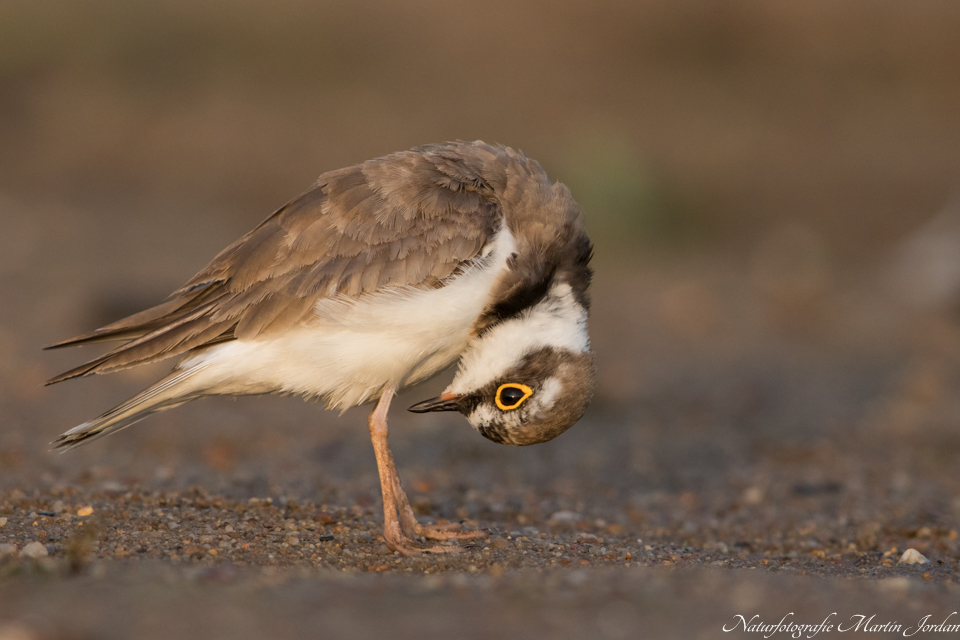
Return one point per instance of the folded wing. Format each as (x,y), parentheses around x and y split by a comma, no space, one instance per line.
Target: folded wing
(409,219)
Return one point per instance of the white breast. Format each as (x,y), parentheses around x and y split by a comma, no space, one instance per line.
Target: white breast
(353,349)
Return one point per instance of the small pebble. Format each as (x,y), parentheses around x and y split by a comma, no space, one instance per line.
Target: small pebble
(84,511)
(899,583)
(565,516)
(3,521)
(912,556)
(34,550)
(7,549)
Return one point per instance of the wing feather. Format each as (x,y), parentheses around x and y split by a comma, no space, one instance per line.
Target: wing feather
(408,219)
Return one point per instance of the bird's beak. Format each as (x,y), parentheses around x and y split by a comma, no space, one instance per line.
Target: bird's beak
(444,402)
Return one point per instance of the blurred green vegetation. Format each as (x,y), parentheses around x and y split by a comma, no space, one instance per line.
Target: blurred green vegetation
(628,204)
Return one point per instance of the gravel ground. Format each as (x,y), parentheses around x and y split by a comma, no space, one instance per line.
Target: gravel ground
(776,418)
(736,461)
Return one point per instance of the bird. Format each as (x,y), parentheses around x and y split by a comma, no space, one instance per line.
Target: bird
(377,277)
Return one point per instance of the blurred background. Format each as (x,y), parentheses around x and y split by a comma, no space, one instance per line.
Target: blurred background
(774,194)
(773,189)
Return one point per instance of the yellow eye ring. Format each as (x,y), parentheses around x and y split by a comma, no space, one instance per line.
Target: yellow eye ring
(515,386)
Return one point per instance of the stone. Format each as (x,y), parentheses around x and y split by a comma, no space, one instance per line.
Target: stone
(912,556)
(564,516)
(34,550)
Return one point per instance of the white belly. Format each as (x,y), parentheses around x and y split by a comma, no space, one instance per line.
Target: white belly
(353,349)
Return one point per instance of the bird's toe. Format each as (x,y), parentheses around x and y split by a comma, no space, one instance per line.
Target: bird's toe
(449,531)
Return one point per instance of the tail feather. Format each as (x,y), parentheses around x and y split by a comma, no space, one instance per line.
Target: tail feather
(170,392)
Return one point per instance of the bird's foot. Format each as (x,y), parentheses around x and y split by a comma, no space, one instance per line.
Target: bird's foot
(446,531)
(408,547)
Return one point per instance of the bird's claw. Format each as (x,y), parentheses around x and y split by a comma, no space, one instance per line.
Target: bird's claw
(448,531)
(407,547)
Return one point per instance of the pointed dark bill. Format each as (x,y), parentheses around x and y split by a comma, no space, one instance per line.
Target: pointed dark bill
(443,402)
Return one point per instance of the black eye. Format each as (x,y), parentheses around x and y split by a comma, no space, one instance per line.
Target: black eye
(512,395)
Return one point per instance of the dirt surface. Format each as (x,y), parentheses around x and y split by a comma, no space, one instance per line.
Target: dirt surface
(772,193)
(786,470)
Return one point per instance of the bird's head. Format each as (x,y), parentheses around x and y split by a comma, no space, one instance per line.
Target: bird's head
(527,379)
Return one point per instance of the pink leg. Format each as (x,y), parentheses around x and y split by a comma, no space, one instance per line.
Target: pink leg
(412,528)
(392,532)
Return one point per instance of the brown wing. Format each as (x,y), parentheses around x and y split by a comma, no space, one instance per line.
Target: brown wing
(411,218)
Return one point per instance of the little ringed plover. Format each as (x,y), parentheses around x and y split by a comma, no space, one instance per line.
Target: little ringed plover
(377,277)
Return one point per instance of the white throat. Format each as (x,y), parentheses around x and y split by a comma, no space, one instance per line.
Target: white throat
(557,321)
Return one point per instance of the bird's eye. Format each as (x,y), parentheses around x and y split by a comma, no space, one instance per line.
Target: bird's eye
(511,395)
